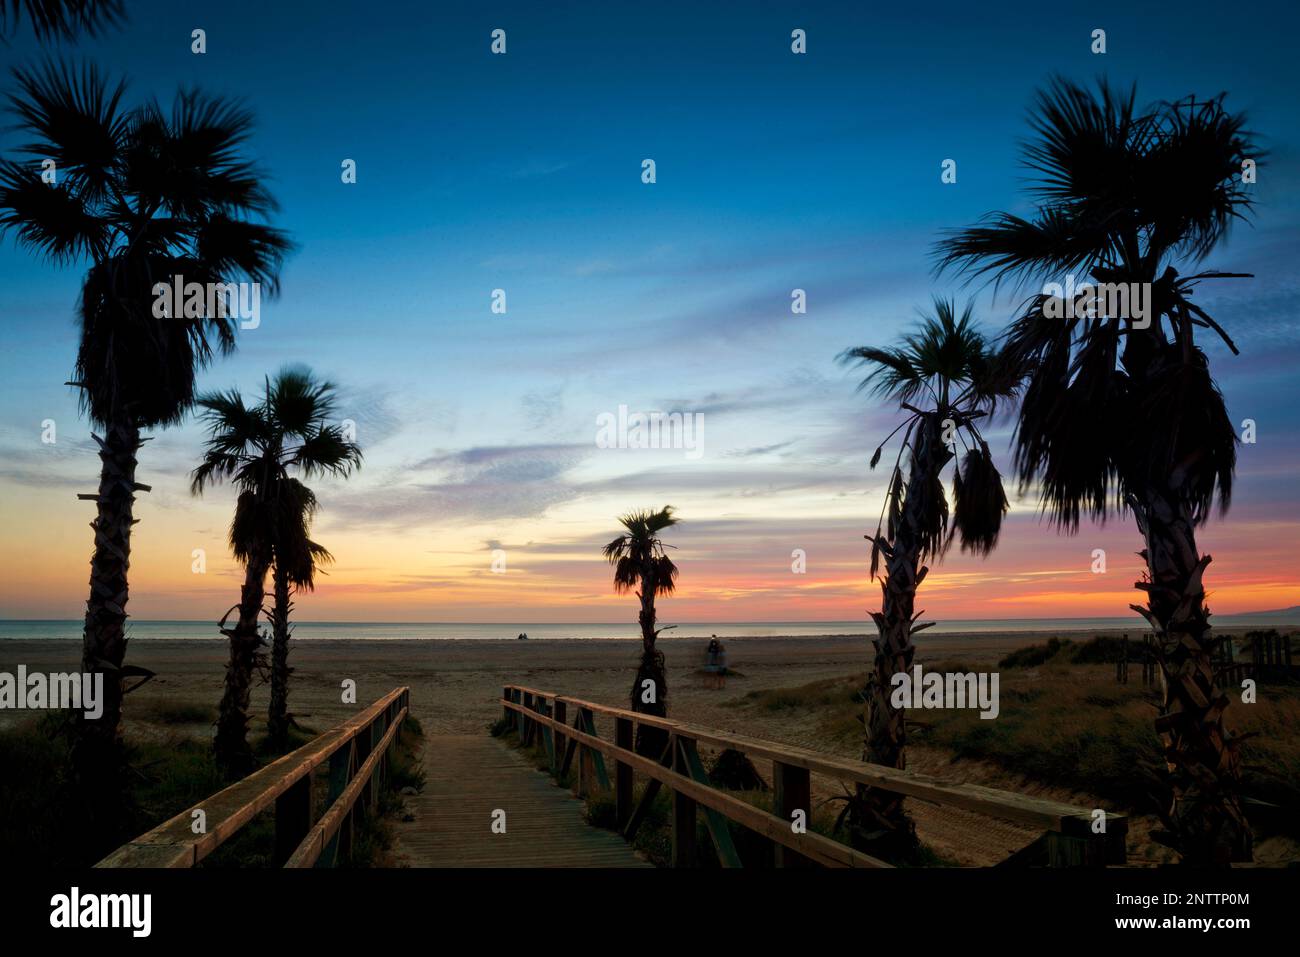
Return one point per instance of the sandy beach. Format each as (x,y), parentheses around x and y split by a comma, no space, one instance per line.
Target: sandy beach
(456,684)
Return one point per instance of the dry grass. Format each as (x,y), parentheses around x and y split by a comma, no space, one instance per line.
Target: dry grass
(1072,726)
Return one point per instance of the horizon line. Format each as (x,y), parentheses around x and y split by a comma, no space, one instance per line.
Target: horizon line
(1291,610)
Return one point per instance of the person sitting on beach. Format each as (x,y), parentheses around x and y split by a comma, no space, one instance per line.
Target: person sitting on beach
(715,664)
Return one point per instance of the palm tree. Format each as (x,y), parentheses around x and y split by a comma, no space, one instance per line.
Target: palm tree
(1120,412)
(60,18)
(641,564)
(256,448)
(297,559)
(140,196)
(945,379)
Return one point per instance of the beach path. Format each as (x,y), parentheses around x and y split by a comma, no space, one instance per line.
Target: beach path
(471,777)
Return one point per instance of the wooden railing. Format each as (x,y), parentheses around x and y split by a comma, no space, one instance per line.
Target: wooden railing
(356,753)
(543,717)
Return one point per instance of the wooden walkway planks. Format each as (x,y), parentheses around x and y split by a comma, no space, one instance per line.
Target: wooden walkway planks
(470,776)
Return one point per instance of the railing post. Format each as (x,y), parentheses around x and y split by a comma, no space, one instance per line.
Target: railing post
(506,713)
(791,791)
(340,846)
(586,760)
(561,741)
(292,818)
(526,732)
(378,727)
(1077,846)
(683,812)
(623,779)
(364,742)
(548,739)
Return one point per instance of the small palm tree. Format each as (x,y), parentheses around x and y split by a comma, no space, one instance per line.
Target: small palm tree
(641,564)
(1120,412)
(945,379)
(52,19)
(256,448)
(297,559)
(139,196)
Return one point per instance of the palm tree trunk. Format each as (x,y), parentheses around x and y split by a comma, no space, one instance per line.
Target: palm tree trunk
(277,720)
(650,674)
(1204,816)
(96,752)
(881,813)
(233,754)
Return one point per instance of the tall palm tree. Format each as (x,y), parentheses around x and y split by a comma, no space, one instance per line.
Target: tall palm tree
(140,196)
(257,448)
(1120,412)
(641,564)
(60,18)
(945,379)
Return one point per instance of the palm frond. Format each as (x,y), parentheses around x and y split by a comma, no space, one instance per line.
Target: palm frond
(74,114)
(52,221)
(979,501)
(665,575)
(61,18)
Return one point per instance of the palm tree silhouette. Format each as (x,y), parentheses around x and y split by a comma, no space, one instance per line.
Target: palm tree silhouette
(945,378)
(141,196)
(641,564)
(1121,414)
(256,448)
(60,18)
(297,559)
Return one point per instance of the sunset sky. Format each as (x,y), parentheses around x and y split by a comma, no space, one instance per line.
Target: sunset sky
(523,172)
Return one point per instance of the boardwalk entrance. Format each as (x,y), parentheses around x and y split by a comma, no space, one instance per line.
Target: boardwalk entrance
(472,780)
(469,777)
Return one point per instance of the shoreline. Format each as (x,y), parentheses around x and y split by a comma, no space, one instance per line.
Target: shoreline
(921,639)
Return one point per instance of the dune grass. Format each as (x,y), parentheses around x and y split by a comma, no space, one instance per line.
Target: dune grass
(1072,726)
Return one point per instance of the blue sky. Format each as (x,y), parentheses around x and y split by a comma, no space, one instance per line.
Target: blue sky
(522,172)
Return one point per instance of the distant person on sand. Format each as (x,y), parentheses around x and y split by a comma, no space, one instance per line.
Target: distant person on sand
(715,665)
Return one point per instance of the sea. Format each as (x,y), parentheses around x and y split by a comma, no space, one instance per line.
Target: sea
(145,630)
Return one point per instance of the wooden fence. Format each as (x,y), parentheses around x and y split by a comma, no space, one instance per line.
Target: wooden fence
(1270,660)
(356,753)
(1146,657)
(543,717)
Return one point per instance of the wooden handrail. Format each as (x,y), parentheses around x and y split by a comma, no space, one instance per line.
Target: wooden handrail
(319,837)
(1068,837)
(354,751)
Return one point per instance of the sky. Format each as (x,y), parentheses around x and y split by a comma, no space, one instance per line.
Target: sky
(523,172)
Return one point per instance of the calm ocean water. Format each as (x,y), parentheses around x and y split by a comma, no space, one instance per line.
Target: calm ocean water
(380,631)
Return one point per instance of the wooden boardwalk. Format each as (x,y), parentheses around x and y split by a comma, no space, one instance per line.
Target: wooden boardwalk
(471,776)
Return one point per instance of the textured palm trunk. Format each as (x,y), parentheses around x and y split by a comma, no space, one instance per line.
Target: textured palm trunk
(880,816)
(1204,815)
(96,752)
(277,719)
(233,754)
(650,675)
